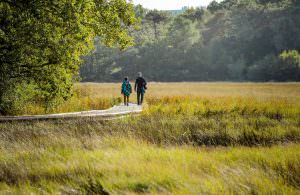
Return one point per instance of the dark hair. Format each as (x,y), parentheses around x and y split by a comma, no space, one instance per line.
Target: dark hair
(126,78)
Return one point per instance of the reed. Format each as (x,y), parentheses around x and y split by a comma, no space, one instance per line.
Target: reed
(221,138)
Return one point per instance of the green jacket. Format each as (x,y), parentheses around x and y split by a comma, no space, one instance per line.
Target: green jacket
(126,88)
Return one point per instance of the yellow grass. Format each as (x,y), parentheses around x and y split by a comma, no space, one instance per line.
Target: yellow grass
(218,89)
(124,166)
(97,96)
(192,138)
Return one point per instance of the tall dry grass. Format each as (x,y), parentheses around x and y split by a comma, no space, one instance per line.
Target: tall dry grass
(203,89)
(97,96)
(195,138)
(77,157)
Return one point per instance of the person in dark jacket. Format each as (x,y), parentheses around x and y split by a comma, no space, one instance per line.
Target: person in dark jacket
(140,88)
(126,90)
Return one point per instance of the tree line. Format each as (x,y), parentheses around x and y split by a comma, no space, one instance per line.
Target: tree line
(248,40)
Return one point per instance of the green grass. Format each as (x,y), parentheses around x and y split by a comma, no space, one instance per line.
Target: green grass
(218,121)
(118,165)
(188,144)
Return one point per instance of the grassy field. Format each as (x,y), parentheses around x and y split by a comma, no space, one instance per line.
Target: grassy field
(192,138)
(203,89)
(91,96)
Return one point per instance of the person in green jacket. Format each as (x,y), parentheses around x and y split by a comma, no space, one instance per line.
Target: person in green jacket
(126,90)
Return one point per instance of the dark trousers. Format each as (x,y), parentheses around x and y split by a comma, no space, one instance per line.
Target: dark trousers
(140,97)
(126,100)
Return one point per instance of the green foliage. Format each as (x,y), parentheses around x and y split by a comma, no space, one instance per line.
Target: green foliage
(42,41)
(286,67)
(18,98)
(230,40)
(156,17)
(291,57)
(213,6)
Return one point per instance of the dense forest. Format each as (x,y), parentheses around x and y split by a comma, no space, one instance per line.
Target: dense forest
(234,40)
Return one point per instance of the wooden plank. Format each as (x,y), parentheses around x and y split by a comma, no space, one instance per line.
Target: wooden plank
(112,113)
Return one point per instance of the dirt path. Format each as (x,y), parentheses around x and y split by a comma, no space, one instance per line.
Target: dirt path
(112,113)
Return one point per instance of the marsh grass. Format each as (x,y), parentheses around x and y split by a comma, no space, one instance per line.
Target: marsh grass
(97,96)
(225,121)
(239,140)
(83,99)
(111,164)
(202,89)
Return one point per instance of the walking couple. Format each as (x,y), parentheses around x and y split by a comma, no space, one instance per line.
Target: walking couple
(140,87)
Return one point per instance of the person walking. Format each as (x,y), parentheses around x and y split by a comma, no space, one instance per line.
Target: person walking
(126,90)
(140,88)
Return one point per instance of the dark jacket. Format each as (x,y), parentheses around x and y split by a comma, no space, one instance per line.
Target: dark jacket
(140,84)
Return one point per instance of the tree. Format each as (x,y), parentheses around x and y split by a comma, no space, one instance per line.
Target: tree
(240,41)
(194,14)
(42,41)
(213,6)
(156,17)
(182,33)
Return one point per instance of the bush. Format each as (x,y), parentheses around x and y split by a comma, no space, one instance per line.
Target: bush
(20,98)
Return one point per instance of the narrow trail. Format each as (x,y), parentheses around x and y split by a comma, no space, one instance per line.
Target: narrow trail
(109,114)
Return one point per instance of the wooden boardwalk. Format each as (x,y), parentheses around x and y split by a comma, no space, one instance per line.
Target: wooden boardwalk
(112,113)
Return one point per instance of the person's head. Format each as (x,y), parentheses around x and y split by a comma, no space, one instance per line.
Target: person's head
(126,79)
(140,74)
